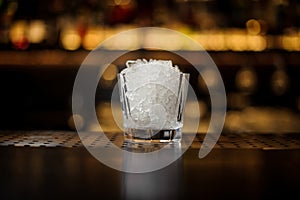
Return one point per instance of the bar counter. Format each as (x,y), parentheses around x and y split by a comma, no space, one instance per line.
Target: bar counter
(55,165)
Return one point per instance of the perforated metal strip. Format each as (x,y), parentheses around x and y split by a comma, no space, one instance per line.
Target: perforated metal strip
(71,140)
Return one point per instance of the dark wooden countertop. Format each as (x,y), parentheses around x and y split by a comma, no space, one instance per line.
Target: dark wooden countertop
(226,173)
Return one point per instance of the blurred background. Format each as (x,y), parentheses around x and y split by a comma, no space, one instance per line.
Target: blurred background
(254,43)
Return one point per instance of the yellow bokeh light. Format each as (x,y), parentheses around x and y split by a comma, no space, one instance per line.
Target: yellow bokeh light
(233,121)
(291,42)
(108,77)
(167,41)
(246,80)
(110,73)
(18,31)
(201,39)
(256,42)
(126,41)
(92,38)
(253,27)
(70,39)
(122,2)
(36,31)
(237,41)
(216,42)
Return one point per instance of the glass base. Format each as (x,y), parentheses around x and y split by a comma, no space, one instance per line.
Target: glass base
(152,136)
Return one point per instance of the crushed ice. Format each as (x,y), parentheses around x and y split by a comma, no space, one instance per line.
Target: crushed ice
(151,89)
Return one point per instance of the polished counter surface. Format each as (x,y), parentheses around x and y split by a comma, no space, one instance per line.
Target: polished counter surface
(54,165)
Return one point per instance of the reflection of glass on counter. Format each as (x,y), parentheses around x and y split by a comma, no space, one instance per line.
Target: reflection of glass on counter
(155,185)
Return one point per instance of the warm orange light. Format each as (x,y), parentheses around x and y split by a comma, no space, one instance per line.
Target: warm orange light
(246,80)
(236,40)
(108,76)
(92,38)
(18,35)
(122,2)
(125,41)
(109,116)
(253,27)
(217,42)
(70,39)
(18,31)
(256,42)
(291,42)
(36,31)
(233,121)
(110,73)
(167,41)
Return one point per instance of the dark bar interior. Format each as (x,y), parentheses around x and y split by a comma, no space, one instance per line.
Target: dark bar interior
(255,45)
